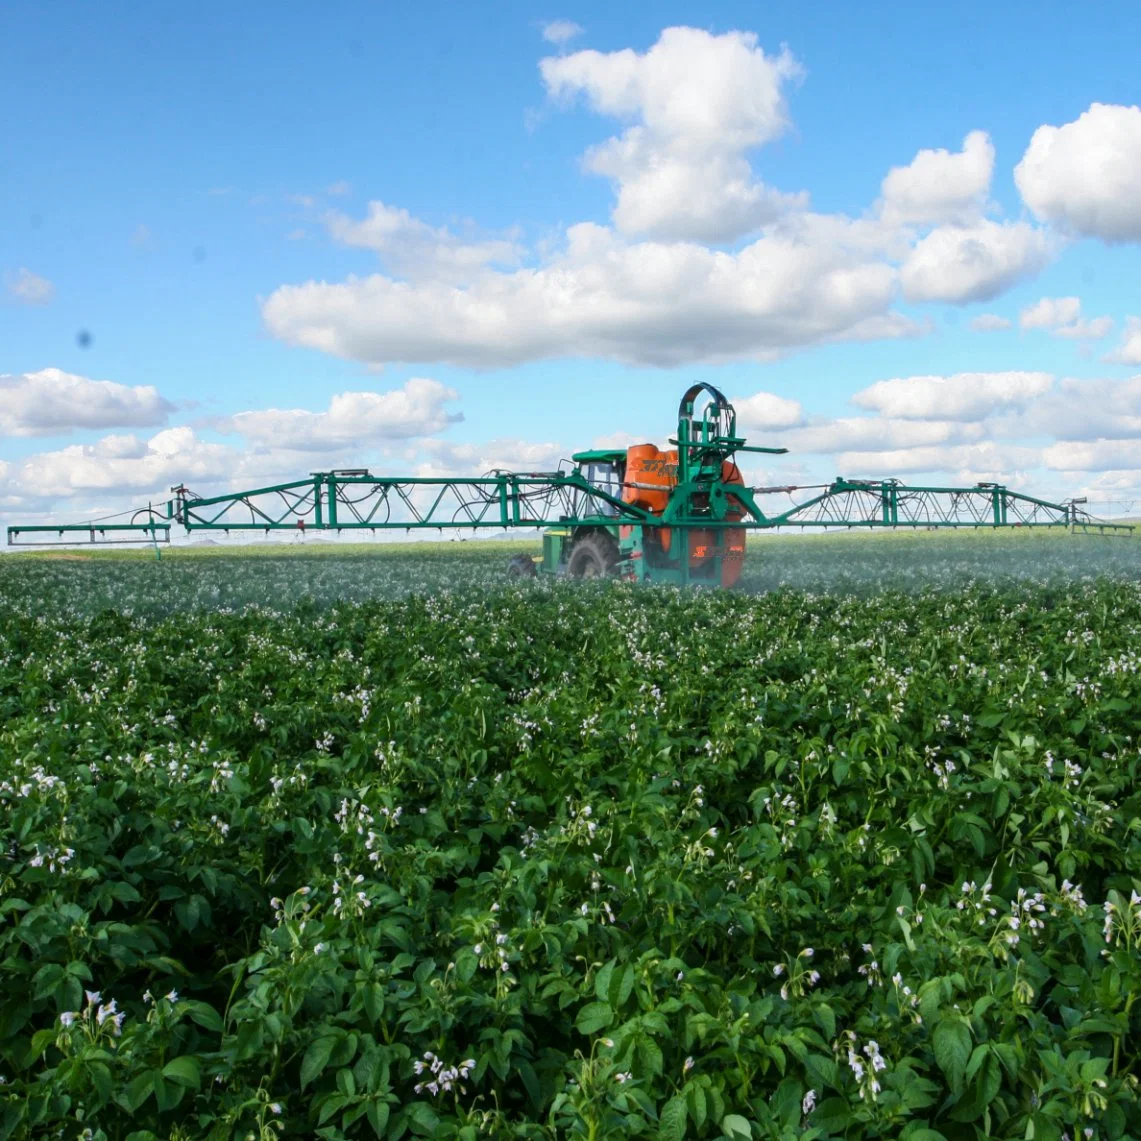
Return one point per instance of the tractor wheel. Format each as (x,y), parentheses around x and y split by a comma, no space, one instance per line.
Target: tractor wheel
(592,556)
(521,566)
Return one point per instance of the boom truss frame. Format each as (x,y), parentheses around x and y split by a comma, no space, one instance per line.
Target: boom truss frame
(359,501)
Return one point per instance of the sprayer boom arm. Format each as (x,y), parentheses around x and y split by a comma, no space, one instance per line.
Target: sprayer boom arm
(702,493)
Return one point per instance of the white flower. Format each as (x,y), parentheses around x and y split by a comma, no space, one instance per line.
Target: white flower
(94,997)
(172,996)
(275,1107)
(809,1103)
(67,1018)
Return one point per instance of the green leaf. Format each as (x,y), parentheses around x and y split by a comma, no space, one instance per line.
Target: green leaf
(593,1017)
(952,1045)
(205,1015)
(423,1118)
(735,1126)
(826,1019)
(672,1124)
(377,1113)
(185,1071)
(698,1108)
(621,984)
(137,1092)
(602,981)
(316,1059)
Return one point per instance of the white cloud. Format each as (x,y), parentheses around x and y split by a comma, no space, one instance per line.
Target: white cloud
(650,290)
(412,248)
(989,323)
(123,464)
(1061,317)
(973,263)
(962,396)
(1050,312)
(1087,409)
(444,458)
(1093,455)
(53,402)
(643,303)
(938,186)
(339,189)
(1085,176)
(970,462)
(1083,330)
(874,433)
(698,103)
(1129,351)
(29,288)
(418,408)
(765,411)
(561,31)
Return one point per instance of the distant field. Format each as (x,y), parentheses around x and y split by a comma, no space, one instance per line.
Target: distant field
(280,576)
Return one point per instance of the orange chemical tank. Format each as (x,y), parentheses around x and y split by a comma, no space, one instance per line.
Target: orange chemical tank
(651,474)
(703,544)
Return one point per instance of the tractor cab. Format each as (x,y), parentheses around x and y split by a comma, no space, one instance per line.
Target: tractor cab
(605,469)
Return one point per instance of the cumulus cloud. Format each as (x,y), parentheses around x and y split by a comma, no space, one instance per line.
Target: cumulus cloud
(1050,312)
(123,464)
(976,262)
(442,458)
(413,249)
(938,186)
(29,288)
(1094,455)
(1085,176)
(847,434)
(698,103)
(561,31)
(970,463)
(1061,317)
(52,402)
(653,288)
(961,396)
(642,303)
(764,411)
(418,408)
(1129,351)
(989,323)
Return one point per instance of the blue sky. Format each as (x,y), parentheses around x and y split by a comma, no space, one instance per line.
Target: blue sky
(191,186)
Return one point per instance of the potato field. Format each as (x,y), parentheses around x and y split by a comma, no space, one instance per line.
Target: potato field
(350,847)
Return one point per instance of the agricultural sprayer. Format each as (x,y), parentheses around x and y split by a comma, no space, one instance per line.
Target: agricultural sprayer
(679,514)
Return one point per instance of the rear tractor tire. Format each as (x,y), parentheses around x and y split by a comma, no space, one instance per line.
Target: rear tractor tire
(593,556)
(521,566)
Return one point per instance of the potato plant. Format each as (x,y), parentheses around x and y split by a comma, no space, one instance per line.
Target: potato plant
(552,861)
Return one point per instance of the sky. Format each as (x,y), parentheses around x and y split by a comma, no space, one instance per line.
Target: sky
(240,243)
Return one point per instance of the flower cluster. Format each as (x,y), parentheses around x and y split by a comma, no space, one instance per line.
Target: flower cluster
(865,1064)
(797,973)
(96,1015)
(443,1078)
